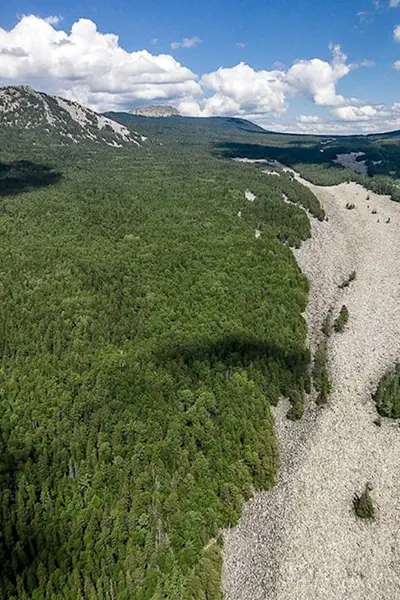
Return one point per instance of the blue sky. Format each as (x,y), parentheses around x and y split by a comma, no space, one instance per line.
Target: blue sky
(355,88)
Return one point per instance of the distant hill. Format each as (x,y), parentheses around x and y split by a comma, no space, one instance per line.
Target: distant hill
(190,131)
(385,136)
(41,117)
(156,110)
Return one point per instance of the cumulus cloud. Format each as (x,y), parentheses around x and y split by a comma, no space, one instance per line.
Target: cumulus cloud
(241,90)
(396,65)
(89,66)
(16,52)
(308,119)
(186,43)
(53,19)
(240,45)
(396,33)
(348,119)
(360,113)
(318,78)
(357,119)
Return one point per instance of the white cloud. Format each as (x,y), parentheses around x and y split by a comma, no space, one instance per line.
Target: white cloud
(346,120)
(364,16)
(396,36)
(368,63)
(241,90)
(89,66)
(16,52)
(186,43)
(318,78)
(308,119)
(394,3)
(360,113)
(53,19)
(92,68)
(154,41)
(240,45)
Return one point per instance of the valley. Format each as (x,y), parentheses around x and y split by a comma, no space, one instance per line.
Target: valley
(161,305)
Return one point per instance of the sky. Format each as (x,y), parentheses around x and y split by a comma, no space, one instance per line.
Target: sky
(308,66)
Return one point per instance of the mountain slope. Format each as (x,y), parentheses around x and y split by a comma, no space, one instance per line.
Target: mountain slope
(193,131)
(26,110)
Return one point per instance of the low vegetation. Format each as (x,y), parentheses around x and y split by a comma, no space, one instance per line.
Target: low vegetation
(363,504)
(387,395)
(327,325)
(296,410)
(341,320)
(299,194)
(321,379)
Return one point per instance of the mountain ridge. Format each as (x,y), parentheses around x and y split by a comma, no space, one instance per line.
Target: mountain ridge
(24,109)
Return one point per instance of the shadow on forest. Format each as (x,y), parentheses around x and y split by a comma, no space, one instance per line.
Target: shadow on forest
(25,176)
(297,152)
(20,545)
(240,350)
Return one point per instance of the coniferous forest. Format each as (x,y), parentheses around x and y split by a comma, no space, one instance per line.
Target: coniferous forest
(150,315)
(144,333)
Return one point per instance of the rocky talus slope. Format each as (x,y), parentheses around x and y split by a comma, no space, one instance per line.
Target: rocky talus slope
(301,540)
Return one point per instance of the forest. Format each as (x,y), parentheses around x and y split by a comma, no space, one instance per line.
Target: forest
(144,334)
(310,155)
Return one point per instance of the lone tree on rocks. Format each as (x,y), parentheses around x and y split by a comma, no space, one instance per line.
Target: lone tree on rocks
(363,504)
(341,320)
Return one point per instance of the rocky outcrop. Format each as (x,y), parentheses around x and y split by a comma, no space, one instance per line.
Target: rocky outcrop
(156,110)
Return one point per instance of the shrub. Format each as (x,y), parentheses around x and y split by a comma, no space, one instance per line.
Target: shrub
(322,382)
(296,410)
(363,504)
(327,325)
(387,395)
(341,320)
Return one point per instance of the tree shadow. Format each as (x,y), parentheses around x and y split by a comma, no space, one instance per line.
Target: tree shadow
(240,350)
(293,153)
(23,544)
(24,176)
